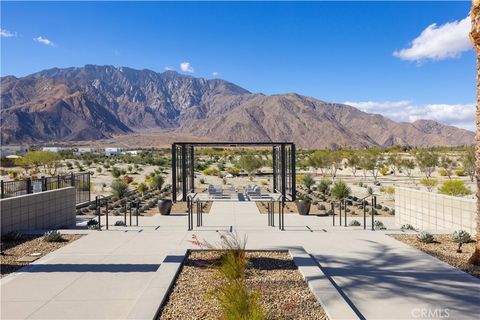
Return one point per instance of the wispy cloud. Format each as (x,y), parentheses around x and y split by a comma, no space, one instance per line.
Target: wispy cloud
(44,41)
(4,33)
(186,67)
(459,115)
(215,73)
(169,68)
(438,42)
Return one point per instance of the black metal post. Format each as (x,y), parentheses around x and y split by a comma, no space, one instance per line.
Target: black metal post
(2,188)
(58,182)
(29,185)
(364,215)
(374,204)
(294,183)
(97,208)
(192,170)
(275,169)
(174,172)
(106,214)
(130,211)
(284,171)
(184,172)
(345,210)
(340,212)
(136,211)
(333,212)
(125,214)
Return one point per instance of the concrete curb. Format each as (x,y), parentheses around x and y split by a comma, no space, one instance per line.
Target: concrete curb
(332,301)
(148,305)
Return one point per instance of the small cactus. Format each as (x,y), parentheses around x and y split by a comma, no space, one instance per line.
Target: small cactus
(52,236)
(407,227)
(461,236)
(354,223)
(378,225)
(119,223)
(425,237)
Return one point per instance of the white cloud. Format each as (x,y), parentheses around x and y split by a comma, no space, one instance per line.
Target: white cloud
(7,34)
(215,73)
(186,67)
(459,115)
(438,42)
(44,41)
(169,68)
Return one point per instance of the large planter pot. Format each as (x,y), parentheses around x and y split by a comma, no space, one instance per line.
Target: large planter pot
(165,206)
(303,206)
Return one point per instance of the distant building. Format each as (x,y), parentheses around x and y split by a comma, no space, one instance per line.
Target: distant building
(51,149)
(12,150)
(84,150)
(133,152)
(113,152)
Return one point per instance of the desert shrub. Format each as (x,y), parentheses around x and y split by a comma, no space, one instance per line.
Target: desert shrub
(340,190)
(127,179)
(52,236)
(360,184)
(202,180)
(460,172)
(321,206)
(354,223)
(116,172)
(156,182)
(378,206)
(211,171)
(324,185)
(92,222)
(233,171)
(308,181)
(384,171)
(119,188)
(369,191)
(92,206)
(442,172)
(455,188)
(429,183)
(263,183)
(392,211)
(378,225)
(238,303)
(425,237)
(406,227)
(461,236)
(119,223)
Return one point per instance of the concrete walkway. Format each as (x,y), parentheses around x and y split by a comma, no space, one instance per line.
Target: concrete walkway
(103,274)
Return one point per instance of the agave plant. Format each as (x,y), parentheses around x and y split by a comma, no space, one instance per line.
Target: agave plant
(461,237)
(425,237)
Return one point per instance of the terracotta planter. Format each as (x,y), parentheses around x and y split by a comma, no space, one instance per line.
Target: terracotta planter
(165,206)
(303,207)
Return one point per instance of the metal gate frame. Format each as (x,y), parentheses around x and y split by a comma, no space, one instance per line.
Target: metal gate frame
(183,163)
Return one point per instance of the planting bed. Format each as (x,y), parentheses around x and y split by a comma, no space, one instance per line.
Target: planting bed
(283,292)
(27,245)
(444,249)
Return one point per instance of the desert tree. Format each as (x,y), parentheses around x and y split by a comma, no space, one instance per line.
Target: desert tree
(475,37)
(371,160)
(407,166)
(250,164)
(468,162)
(427,161)
(447,164)
(393,160)
(353,161)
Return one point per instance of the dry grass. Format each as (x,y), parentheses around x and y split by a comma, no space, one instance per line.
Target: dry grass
(445,249)
(283,292)
(25,246)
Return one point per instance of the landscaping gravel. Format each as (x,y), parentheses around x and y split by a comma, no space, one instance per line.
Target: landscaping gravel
(29,245)
(283,292)
(445,249)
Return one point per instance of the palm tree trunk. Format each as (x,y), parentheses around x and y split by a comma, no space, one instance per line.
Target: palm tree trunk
(475,37)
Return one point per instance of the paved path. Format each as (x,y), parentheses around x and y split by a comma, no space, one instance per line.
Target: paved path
(104,273)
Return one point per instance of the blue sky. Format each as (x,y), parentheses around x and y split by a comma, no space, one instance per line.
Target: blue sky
(333,51)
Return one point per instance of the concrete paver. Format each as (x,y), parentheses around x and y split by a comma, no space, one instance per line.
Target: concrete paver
(104,274)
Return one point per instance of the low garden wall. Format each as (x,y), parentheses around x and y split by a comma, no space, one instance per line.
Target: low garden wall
(434,212)
(38,211)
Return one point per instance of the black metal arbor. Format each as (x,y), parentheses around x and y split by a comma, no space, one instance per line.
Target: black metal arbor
(183,163)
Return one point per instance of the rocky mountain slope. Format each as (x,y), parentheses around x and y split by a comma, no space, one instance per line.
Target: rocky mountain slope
(95,102)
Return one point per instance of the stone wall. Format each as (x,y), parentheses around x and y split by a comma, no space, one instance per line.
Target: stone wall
(434,212)
(38,211)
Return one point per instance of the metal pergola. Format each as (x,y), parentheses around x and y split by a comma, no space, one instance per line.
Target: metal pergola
(183,164)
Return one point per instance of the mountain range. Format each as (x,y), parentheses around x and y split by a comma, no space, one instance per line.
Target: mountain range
(98,102)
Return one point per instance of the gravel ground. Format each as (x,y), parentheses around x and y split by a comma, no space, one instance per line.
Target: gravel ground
(25,246)
(284,293)
(445,249)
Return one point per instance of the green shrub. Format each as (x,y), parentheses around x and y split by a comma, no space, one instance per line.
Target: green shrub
(340,190)
(384,171)
(425,237)
(442,172)
(52,236)
(461,236)
(119,188)
(211,171)
(378,225)
(455,188)
(407,227)
(460,172)
(354,223)
(429,183)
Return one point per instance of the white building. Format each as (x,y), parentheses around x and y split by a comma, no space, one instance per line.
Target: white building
(133,152)
(113,152)
(11,150)
(52,149)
